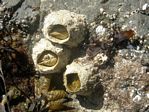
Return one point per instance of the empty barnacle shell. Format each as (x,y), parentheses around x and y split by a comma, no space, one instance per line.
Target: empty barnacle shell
(73,82)
(59,32)
(48,57)
(79,77)
(65,27)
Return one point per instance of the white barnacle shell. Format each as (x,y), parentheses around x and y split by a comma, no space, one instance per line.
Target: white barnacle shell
(65,27)
(79,77)
(48,57)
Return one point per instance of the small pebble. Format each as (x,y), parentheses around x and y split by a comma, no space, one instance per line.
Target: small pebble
(145,6)
(137,98)
(100,30)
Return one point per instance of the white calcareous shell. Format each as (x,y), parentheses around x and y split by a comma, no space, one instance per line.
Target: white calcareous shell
(79,77)
(48,57)
(65,27)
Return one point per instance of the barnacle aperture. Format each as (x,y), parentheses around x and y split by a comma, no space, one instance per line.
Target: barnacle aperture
(73,82)
(47,58)
(58,32)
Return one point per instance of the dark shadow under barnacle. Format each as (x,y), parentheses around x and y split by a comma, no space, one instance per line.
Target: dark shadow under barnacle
(93,101)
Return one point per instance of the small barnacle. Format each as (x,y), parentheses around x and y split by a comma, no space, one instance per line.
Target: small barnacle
(100,30)
(100,58)
(65,27)
(79,77)
(48,57)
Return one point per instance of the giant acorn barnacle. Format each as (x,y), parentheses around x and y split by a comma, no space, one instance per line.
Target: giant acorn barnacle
(48,57)
(79,77)
(65,27)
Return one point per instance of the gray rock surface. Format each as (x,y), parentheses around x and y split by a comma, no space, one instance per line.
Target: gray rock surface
(90,8)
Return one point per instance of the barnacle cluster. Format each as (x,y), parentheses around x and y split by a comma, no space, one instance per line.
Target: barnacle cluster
(60,28)
(62,31)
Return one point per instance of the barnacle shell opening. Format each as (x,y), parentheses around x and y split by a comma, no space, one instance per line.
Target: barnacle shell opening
(58,31)
(73,82)
(47,58)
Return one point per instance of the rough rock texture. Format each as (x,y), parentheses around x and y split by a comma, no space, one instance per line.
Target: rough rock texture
(124,78)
